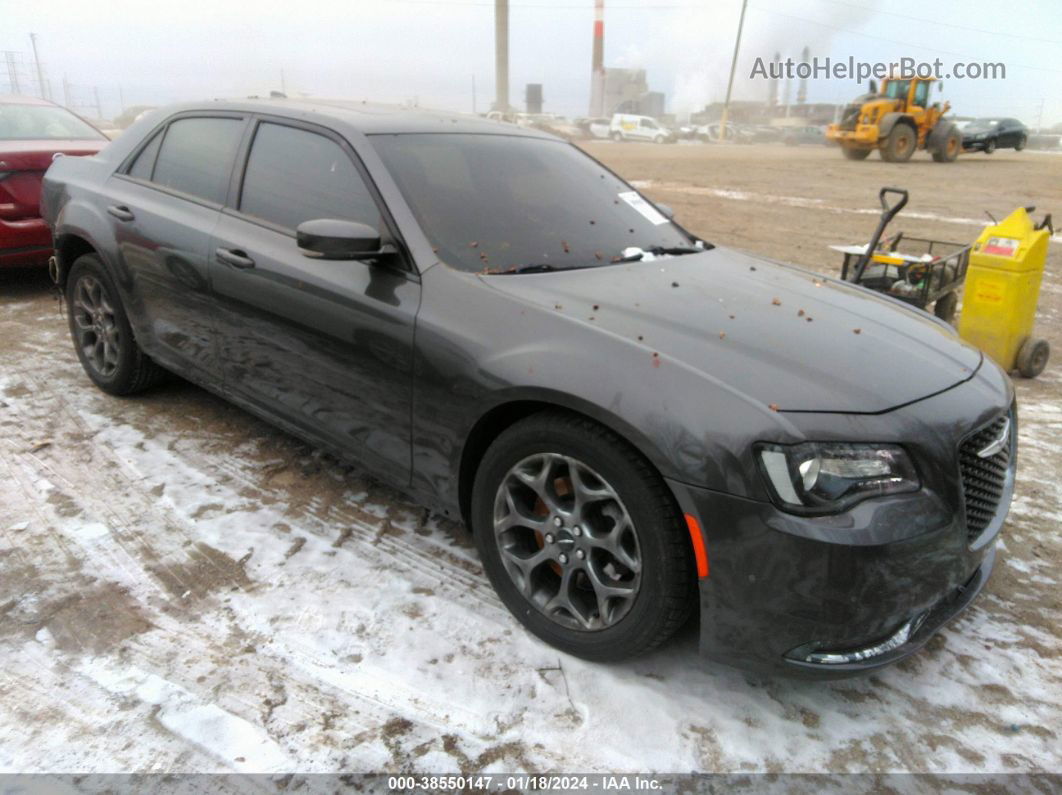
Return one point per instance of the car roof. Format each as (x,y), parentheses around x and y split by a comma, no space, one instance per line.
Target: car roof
(19,99)
(367,117)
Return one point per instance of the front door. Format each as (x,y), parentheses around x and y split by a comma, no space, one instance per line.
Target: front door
(322,346)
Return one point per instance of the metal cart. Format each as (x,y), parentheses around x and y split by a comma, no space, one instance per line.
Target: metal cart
(913,269)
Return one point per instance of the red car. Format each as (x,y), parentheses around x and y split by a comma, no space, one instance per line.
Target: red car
(33,132)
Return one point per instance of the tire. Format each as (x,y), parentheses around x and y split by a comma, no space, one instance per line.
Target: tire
(855,154)
(899,144)
(617,137)
(1021,143)
(944,308)
(948,150)
(100,330)
(1032,357)
(990,146)
(658,140)
(662,586)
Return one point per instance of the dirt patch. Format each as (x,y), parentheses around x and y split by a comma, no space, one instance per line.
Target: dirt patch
(96,620)
(206,571)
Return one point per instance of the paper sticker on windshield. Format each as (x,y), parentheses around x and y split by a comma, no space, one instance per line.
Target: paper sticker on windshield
(651,214)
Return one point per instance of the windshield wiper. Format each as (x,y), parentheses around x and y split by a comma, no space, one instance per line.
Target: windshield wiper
(537,267)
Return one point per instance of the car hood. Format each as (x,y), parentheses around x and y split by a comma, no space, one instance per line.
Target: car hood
(778,334)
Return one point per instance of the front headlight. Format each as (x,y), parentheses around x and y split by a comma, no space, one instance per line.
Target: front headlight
(827,477)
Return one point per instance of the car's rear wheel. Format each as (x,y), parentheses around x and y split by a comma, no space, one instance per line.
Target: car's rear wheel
(1021,143)
(617,137)
(581,538)
(101,332)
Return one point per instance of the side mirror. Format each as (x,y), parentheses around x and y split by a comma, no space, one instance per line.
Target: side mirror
(873,87)
(331,238)
(665,210)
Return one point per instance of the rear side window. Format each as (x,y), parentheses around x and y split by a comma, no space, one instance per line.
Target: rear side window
(295,175)
(145,161)
(196,156)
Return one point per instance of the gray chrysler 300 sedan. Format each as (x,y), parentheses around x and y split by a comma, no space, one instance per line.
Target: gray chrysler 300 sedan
(639,427)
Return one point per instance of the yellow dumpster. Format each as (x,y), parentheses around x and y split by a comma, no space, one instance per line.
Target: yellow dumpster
(1002,288)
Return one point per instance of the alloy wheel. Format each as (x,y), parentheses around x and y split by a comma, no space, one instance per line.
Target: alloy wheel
(567,541)
(96,328)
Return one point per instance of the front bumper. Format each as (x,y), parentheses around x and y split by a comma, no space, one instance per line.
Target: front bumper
(782,588)
(864,136)
(26,241)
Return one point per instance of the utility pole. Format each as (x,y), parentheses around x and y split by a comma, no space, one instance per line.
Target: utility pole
(99,110)
(37,61)
(473,94)
(66,91)
(733,68)
(501,55)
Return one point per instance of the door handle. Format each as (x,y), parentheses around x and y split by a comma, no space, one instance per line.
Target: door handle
(121,212)
(233,257)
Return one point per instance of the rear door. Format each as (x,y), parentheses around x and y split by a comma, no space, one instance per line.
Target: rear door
(322,346)
(164,205)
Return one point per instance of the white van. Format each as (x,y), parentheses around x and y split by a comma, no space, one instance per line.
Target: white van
(628,127)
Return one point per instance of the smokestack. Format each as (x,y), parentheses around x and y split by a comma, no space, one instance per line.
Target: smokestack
(501,55)
(597,62)
(772,87)
(802,91)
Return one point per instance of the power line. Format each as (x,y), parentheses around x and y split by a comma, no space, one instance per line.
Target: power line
(943,24)
(893,41)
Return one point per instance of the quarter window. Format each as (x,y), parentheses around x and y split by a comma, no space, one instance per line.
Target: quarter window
(196,156)
(145,161)
(295,175)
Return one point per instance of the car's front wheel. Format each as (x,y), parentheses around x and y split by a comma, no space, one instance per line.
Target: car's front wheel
(101,332)
(581,538)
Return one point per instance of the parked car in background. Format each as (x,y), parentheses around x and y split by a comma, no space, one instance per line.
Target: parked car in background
(735,133)
(795,136)
(598,127)
(447,301)
(629,127)
(988,135)
(556,125)
(33,133)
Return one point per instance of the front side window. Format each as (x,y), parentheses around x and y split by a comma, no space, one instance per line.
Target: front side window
(196,156)
(20,122)
(295,175)
(501,202)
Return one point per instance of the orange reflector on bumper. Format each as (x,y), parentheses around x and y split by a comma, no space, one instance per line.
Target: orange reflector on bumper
(699,553)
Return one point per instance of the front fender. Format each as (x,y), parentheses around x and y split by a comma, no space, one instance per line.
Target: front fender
(890,120)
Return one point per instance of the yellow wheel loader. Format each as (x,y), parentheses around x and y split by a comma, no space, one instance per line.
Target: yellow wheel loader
(896,121)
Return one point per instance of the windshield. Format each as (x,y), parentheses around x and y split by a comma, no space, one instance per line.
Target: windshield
(498,202)
(897,89)
(43,123)
(982,124)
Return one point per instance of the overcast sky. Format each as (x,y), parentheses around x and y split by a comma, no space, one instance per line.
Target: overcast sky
(435,51)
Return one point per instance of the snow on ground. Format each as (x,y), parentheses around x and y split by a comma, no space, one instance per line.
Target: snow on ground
(183,588)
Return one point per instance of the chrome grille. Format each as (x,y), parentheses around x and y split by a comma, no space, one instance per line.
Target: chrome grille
(984,478)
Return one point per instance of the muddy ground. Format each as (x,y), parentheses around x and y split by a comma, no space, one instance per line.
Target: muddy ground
(184,588)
